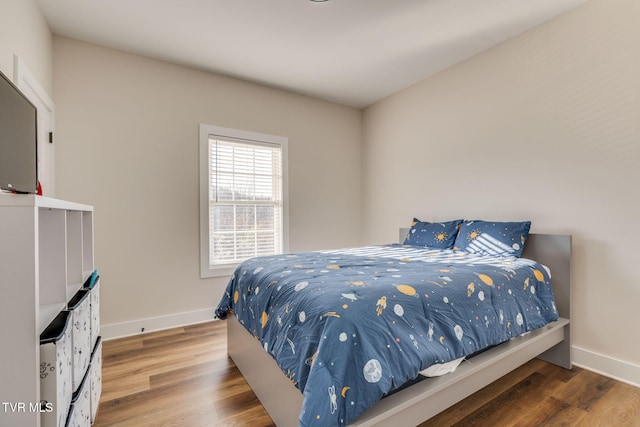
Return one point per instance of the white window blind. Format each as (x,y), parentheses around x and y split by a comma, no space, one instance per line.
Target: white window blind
(245,196)
(245,200)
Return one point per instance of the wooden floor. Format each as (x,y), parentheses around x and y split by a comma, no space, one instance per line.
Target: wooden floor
(183,377)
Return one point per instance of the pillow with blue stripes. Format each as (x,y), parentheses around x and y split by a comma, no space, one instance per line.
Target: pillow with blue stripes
(492,238)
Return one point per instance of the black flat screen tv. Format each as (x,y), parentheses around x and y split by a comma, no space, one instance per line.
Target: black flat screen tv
(18,140)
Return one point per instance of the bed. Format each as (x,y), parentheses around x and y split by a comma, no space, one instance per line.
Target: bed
(276,387)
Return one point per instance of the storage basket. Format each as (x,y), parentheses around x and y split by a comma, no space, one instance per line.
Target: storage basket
(80,410)
(55,371)
(95,376)
(80,308)
(93,286)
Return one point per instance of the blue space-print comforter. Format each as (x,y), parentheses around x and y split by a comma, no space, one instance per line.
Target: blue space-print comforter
(349,326)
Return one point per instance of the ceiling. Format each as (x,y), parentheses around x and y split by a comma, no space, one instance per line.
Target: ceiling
(353,52)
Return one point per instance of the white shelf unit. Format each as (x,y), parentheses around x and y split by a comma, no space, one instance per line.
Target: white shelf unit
(46,254)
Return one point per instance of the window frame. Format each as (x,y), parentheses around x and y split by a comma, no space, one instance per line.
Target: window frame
(207,270)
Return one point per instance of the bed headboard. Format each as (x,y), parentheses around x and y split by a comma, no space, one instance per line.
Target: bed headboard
(554,251)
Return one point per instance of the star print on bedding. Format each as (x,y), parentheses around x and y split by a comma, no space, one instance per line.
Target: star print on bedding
(349,326)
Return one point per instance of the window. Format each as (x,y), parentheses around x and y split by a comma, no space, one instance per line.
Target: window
(243,195)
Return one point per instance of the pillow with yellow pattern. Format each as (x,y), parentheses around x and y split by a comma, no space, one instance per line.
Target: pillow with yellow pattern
(438,235)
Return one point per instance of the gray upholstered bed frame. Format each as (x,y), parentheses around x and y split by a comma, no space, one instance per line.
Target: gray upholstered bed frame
(423,400)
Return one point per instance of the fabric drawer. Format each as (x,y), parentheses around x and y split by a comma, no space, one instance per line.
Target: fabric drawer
(56,354)
(93,286)
(80,410)
(81,335)
(95,376)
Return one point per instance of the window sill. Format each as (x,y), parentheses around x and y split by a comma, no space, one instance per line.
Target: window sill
(221,271)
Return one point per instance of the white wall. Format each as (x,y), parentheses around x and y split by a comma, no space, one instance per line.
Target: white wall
(128,144)
(544,127)
(24,32)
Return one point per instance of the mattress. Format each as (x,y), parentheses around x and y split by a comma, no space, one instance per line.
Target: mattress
(349,326)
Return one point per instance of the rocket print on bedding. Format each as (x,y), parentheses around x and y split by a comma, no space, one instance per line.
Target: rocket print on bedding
(349,326)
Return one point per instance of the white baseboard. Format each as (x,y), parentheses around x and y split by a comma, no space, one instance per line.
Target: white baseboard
(150,324)
(609,367)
